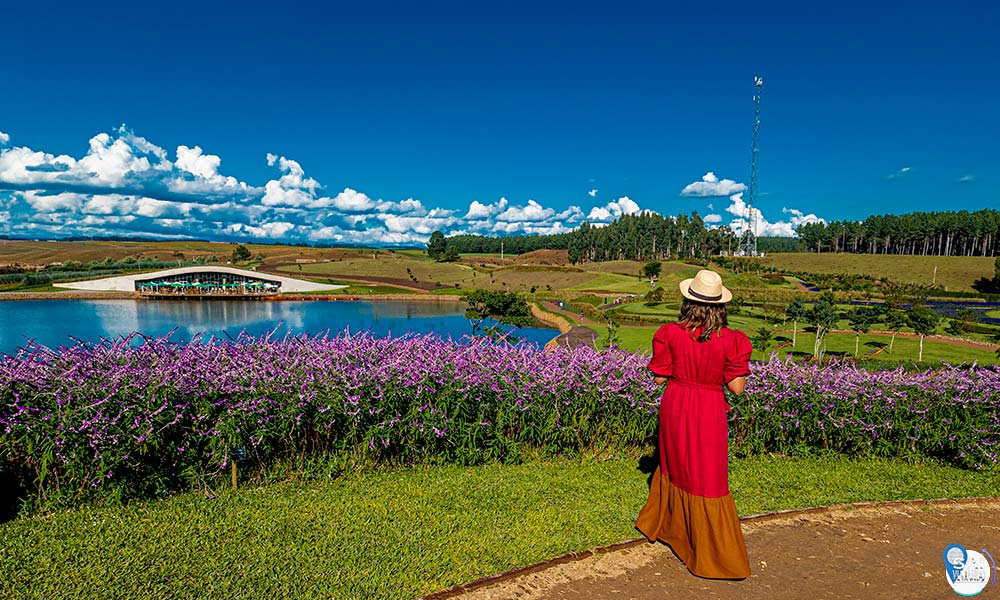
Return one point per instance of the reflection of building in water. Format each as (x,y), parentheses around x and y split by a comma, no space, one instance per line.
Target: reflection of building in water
(207,283)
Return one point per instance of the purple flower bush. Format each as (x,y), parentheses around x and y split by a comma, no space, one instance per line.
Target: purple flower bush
(139,418)
(951,414)
(131,420)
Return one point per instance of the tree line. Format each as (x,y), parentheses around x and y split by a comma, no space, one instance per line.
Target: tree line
(642,237)
(950,233)
(650,236)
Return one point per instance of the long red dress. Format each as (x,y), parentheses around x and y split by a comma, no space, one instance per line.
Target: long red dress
(690,506)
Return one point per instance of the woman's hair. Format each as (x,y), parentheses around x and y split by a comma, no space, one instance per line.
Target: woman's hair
(710,317)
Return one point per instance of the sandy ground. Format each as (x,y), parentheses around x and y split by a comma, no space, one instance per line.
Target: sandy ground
(889,551)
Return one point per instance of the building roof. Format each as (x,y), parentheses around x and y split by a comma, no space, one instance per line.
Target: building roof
(126,283)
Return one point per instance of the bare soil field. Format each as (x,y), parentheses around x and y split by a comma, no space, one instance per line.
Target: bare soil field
(543,257)
(955,273)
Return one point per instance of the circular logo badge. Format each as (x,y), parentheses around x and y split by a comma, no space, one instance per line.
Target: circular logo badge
(967,571)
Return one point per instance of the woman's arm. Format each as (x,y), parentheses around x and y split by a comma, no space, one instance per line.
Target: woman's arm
(737,385)
(658,380)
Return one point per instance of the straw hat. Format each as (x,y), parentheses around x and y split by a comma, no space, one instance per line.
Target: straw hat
(706,287)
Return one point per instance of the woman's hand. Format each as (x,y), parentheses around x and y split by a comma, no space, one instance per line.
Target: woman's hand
(659,380)
(737,385)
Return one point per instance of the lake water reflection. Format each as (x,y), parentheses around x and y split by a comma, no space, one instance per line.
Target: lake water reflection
(55,323)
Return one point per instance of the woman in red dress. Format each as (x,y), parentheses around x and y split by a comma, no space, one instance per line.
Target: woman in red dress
(690,506)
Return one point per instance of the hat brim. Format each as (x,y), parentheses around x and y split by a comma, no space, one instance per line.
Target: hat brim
(687,293)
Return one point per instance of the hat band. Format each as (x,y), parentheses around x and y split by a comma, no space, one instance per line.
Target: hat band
(704,297)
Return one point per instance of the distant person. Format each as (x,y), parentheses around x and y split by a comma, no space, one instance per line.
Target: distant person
(690,506)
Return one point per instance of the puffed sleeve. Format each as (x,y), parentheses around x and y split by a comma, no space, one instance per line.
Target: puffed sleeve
(662,363)
(737,356)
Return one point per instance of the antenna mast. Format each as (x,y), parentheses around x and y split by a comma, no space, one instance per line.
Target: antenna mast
(748,239)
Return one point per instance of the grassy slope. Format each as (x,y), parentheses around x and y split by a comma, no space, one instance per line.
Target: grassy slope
(956,273)
(905,349)
(837,343)
(613,282)
(398,534)
(395,266)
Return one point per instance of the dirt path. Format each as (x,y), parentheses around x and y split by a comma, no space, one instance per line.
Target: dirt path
(875,551)
(572,316)
(802,287)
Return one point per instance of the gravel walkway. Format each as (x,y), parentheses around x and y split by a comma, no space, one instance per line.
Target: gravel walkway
(875,551)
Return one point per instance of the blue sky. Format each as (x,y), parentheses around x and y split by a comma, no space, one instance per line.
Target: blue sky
(382,121)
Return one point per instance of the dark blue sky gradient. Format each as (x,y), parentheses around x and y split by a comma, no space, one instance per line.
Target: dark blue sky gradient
(451,102)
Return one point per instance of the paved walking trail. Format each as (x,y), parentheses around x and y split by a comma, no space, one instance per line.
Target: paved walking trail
(875,551)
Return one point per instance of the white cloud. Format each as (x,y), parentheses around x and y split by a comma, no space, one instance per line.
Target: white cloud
(408,207)
(4,138)
(48,203)
(528,228)
(126,185)
(712,218)
(482,211)
(269,230)
(966,179)
(293,175)
(533,211)
(737,206)
(110,204)
(276,195)
(710,185)
(764,227)
(613,210)
(111,161)
(899,173)
(437,219)
(195,162)
(25,166)
(572,214)
(353,201)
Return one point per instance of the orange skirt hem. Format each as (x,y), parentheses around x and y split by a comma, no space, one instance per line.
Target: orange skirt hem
(704,532)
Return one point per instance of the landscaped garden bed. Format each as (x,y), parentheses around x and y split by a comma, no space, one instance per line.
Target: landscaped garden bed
(126,420)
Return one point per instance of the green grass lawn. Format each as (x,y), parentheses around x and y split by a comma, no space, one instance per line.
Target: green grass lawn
(399,533)
(401,267)
(955,273)
(838,344)
(613,276)
(904,349)
(613,282)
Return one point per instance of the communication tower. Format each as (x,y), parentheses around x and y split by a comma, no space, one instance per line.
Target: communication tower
(748,238)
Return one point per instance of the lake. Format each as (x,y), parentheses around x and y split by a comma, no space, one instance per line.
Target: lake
(55,323)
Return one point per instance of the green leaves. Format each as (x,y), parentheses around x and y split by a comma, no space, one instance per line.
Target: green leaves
(241,254)
(824,316)
(509,308)
(796,310)
(922,319)
(651,270)
(437,246)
